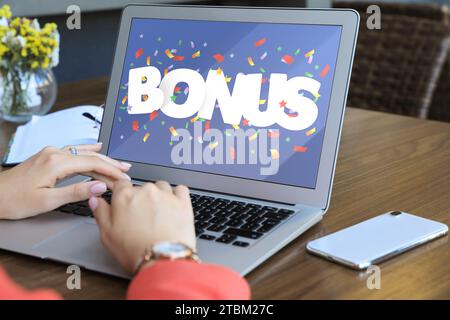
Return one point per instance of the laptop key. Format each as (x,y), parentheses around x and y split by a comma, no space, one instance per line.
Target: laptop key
(270,208)
(216,227)
(271,222)
(68,208)
(250,226)
(202,224)
(218,220)
(276,215)
(203,217)
(86,212)
(207,237)
(238,216)
(82,204)
(266,228)
(287,211)
(243,233)
(241,244)
(199,231)
(226,238)
(234,223)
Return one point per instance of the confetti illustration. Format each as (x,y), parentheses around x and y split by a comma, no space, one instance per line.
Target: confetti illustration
(135,125)
(287,59)
(169,54)
(232,153)
(310,132)
(253,136)
(213,145)
(324,71)
(273,134)
(260,42)
(309,53)
(153,115)
(274,154)
(218,57)
(173,132)
(259,54)
(139,53)
(300,149)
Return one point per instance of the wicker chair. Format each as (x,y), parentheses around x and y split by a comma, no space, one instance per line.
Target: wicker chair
(440,106)
(396,69)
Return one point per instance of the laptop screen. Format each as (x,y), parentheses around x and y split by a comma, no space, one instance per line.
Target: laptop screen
(240,99)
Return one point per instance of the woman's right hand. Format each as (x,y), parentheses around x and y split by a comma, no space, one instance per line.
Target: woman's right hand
(140,217)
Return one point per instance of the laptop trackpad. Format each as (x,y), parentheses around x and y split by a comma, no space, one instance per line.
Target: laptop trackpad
(80,245)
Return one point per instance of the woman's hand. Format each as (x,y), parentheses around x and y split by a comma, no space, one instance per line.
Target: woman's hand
(139,217)
(29,188)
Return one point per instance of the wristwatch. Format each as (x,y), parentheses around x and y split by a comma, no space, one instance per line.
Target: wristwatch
(168,250)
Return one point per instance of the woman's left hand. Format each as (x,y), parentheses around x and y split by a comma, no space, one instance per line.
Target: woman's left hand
(29,188)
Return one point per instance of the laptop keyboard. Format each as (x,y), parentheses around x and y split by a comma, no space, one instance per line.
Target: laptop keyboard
(216,219)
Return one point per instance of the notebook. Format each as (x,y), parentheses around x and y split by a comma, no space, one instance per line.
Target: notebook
(58,129)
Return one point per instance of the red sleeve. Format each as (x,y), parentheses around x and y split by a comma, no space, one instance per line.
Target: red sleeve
(11,291)
(187,280)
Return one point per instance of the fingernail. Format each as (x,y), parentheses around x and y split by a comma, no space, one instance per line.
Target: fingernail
(98,188)
(127,176)
(100,143)
(126,164)
(93,203)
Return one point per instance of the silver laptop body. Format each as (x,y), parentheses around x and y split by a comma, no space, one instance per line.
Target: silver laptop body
(74,239)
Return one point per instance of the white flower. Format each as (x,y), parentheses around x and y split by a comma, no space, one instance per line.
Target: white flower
(4,22)
(35,24)
(21,41)
(54,57)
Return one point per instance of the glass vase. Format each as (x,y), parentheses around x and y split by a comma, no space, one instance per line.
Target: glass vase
(26,93)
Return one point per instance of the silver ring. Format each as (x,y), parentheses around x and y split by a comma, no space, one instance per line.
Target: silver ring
(73,151)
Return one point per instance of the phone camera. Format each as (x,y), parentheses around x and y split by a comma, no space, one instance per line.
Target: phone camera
(396,213)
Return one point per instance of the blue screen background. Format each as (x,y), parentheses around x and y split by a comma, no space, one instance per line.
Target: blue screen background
(235,41)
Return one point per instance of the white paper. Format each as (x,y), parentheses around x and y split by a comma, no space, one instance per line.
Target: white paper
(58,129)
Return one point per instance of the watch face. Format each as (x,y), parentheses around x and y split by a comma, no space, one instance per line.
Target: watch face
(170,248)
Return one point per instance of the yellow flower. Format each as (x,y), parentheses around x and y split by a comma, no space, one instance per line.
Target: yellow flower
(5,12)
(23,52)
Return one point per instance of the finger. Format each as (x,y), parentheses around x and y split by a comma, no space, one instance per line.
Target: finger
(164,186)
(124,166)
(68,165)
(85,147)
(102,213)
(181,192)
(109,182)
(74,193)
(120,186)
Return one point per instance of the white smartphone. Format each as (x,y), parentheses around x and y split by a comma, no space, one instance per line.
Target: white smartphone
(377,239)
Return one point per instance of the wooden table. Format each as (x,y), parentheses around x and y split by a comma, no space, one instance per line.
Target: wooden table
(386,162)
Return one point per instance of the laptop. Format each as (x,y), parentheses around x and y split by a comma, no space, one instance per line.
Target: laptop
(243,105)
